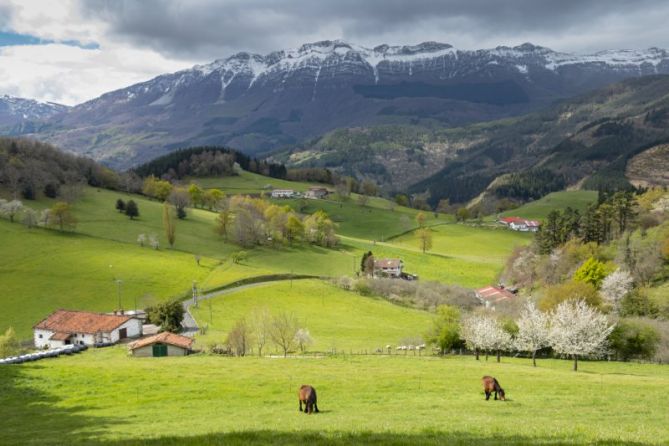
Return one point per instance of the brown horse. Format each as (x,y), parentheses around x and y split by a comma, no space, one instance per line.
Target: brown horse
(307,395)
(491,385)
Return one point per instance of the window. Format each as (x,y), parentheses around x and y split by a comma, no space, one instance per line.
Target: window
(40,336)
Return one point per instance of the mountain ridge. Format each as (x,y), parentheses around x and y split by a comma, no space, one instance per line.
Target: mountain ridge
(259,103)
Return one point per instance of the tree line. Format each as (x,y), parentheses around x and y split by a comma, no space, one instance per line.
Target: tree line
(207,161)
(30,169)
(601,222)
(250,222)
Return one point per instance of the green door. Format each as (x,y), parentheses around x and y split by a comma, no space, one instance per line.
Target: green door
(159,350)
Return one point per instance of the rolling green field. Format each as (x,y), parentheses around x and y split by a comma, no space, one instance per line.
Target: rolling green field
(41,271)
(362,323)
(249,183)
(540,208)
(104,397)
(74,268)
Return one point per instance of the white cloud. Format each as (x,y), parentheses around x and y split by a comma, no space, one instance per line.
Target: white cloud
(71,75)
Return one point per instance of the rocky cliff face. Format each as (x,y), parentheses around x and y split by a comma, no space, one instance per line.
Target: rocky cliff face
(258,103)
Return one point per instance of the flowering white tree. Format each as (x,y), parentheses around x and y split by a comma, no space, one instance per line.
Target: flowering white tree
(472,333)
(578,329)
(9,209)
(303,339)
(29,218)
(533,331)
(485,333)
(153,241)
(616,286)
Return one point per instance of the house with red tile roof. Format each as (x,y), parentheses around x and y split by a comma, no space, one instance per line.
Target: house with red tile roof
(388,267)
(520,224)
(64,327)
(491,295)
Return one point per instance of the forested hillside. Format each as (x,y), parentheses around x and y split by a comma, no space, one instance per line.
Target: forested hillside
(590,138)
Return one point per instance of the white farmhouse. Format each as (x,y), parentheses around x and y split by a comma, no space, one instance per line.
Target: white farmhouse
(82,327)
(388,267)
(283,193)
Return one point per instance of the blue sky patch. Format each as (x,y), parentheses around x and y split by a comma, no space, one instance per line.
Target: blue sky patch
(13,39)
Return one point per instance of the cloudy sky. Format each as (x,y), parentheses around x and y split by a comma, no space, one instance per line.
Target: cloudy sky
(69,51)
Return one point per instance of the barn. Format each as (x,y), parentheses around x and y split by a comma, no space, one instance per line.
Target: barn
(64,327)
(162,344)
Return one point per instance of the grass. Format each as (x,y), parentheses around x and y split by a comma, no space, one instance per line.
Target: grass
(372,222)
(540,208)
(248,183)
(41,271)
(362,323)
(104,397)
(464,255)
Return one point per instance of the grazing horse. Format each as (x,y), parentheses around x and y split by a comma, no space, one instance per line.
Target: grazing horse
(491,385)
(307,395)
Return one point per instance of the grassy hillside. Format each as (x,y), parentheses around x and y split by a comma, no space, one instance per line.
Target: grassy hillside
(249,183)
(104,397)
(42,271)
(540,208)
(335,318)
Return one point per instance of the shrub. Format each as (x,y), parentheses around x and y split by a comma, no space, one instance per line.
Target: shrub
(634,339)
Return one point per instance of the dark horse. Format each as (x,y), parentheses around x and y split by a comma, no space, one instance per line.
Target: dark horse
(491,385)
(308,396)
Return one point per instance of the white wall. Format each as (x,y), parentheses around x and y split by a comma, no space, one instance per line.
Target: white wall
(133,327)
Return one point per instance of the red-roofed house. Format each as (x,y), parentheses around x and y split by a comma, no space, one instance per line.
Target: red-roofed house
(520,224)
(491,295)
(162,344)
(388,267)
(64,327)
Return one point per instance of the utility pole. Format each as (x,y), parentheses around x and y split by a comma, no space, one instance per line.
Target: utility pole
(195,293)
(118,291)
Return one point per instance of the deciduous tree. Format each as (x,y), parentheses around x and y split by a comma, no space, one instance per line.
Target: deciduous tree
(282,331)
(533,331)
(60,216)
(577,329)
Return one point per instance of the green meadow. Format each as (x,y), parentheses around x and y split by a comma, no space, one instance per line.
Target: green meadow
(362,323)
(539,209)
(42,270)
(104,397)
(71,270)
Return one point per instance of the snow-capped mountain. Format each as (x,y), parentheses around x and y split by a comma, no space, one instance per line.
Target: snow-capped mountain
(15,111)
(260,102)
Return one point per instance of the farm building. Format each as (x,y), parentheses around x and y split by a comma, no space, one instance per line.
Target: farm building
(86,328)
(491,295)
(520,224)
(162,344)
(388,267)
(283,193)
(316,193)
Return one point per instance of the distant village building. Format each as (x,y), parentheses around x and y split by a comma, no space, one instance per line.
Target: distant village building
(162,344)
(388,267)
(491,295)
(86,328)
(520,224)
(316,193)
(283,193)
